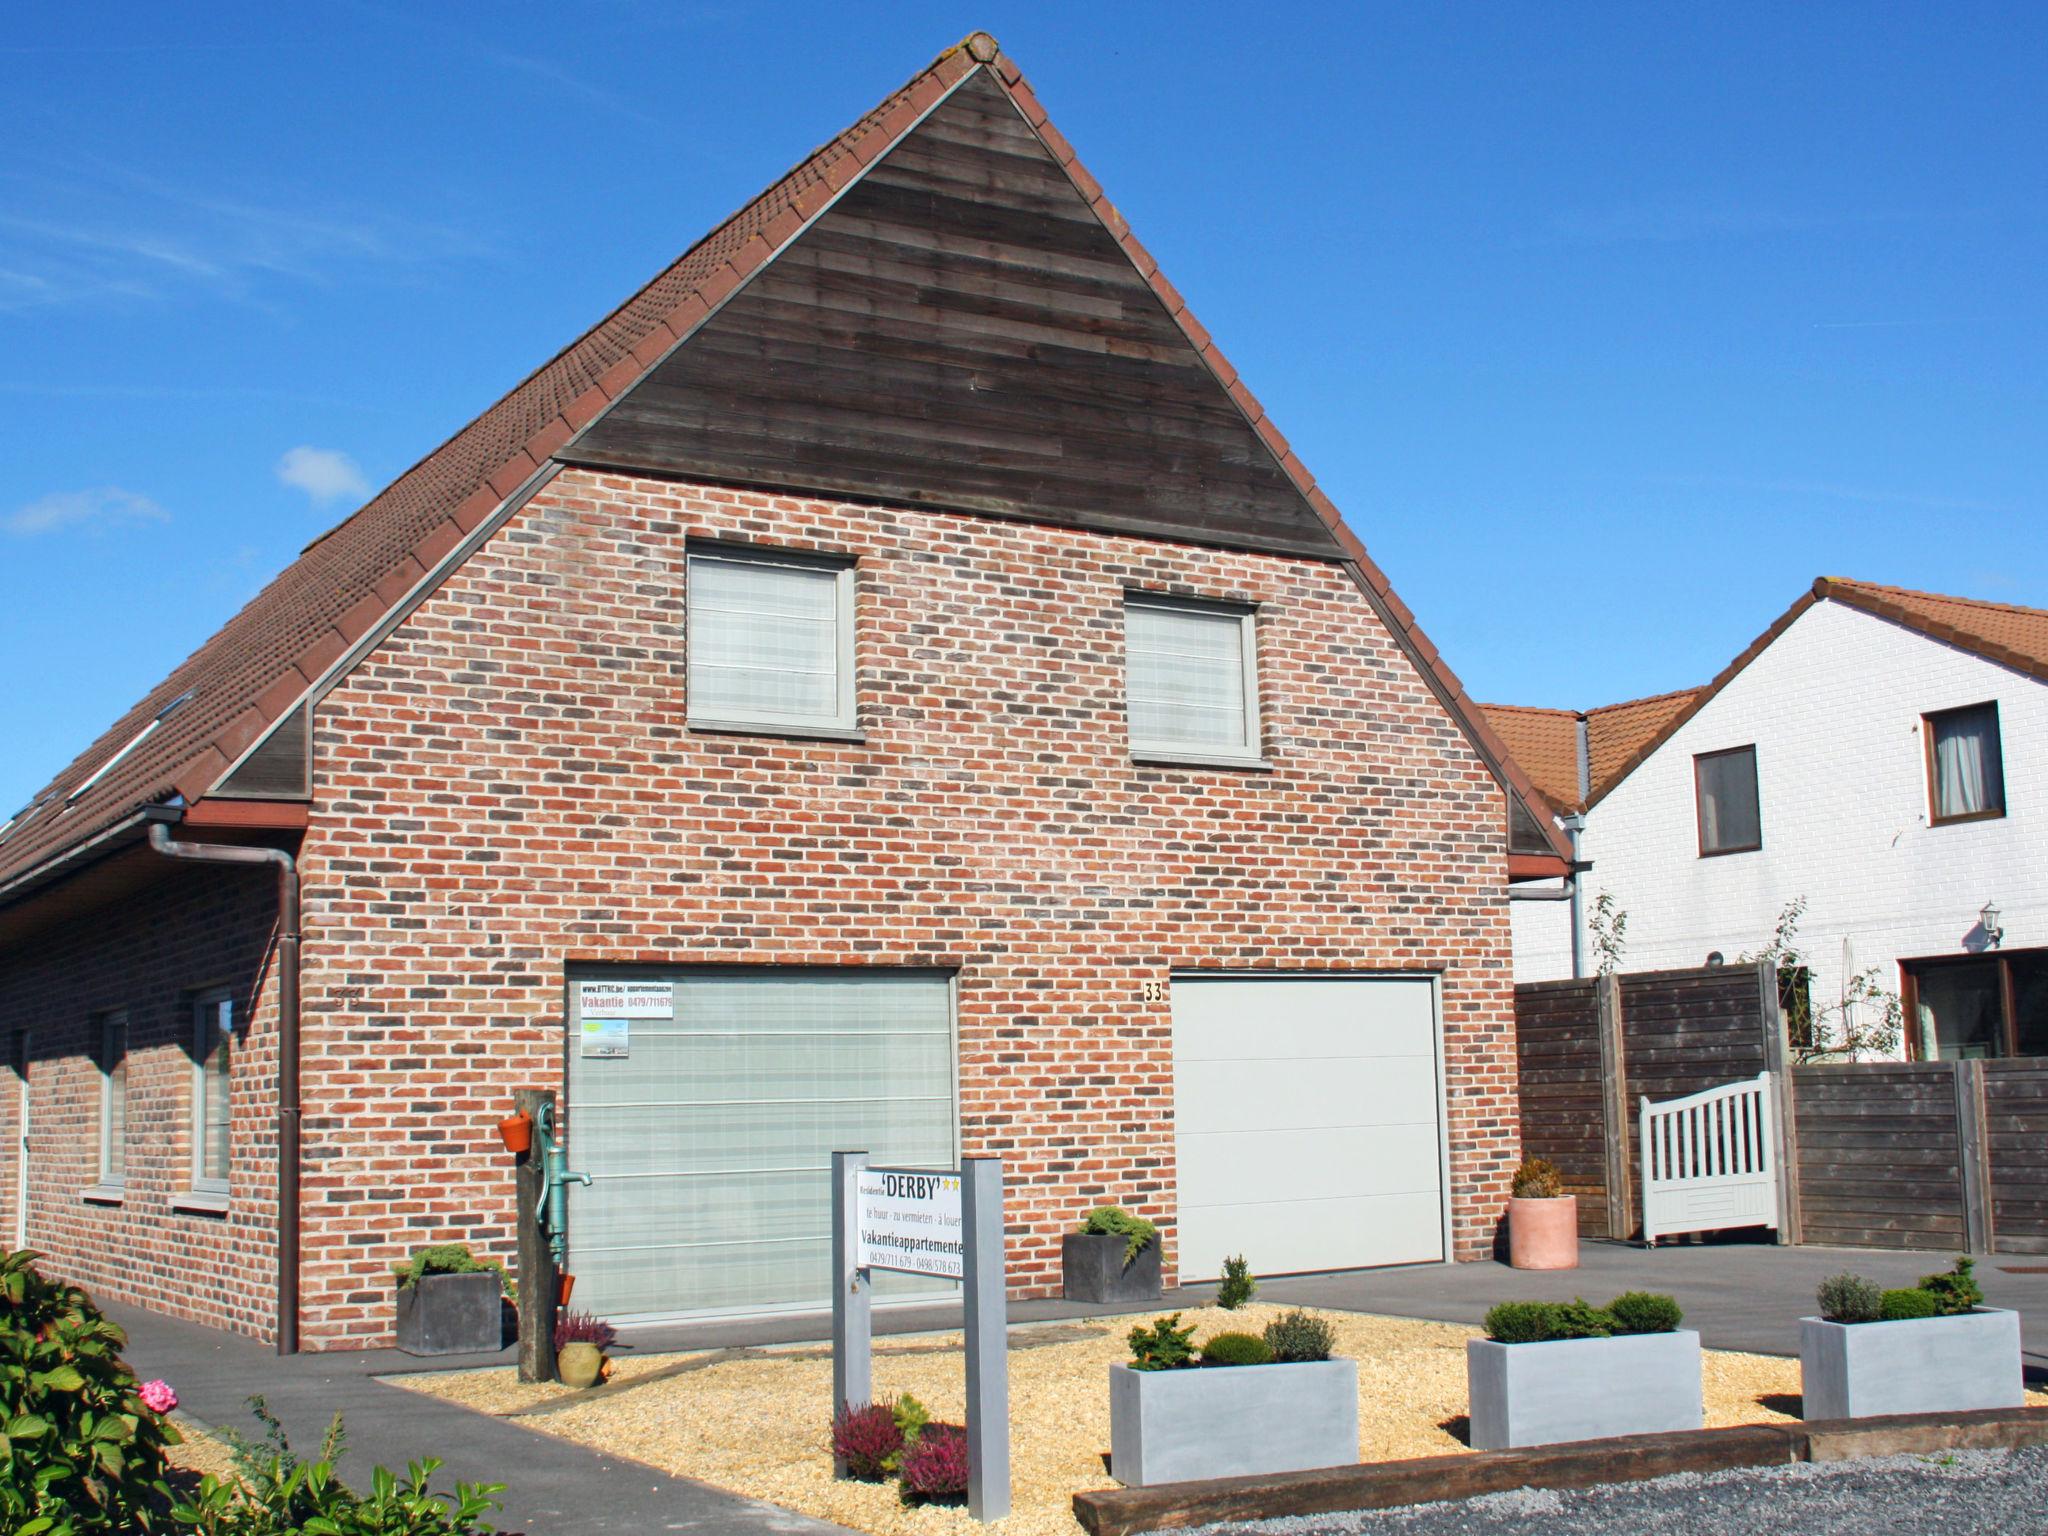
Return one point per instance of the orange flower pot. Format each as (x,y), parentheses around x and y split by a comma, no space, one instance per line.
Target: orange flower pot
(568,1285)
(516,1131)
(1544,1234)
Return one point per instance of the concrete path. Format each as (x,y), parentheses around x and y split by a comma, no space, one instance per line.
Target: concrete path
(554,1488)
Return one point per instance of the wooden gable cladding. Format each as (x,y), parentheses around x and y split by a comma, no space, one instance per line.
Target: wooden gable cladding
(959,331)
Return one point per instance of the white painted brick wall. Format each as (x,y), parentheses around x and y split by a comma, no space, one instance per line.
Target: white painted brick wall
(1834,707)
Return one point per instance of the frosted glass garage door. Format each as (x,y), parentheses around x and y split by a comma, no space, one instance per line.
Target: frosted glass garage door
(709,1142)
(1306,1122)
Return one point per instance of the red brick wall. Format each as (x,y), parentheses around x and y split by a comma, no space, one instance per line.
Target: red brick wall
(507,785)
(151,955)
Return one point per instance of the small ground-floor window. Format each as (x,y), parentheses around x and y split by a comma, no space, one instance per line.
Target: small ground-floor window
(1993,1004)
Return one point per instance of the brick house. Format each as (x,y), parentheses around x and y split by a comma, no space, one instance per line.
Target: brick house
(1880,754)
(894,640)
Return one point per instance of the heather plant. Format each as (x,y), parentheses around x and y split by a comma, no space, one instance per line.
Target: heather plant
(1165,1346)
(81,1441)
(1903,1305)
(1298,1335)
(1538,1180)
(1115,1221)
(1237,1349)
(1957,1291)
(584,1328)
(1850,1299)
(1237,1286)
(935,1469)
(867,1438)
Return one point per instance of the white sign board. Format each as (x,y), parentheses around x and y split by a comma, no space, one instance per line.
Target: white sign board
(908,1221)
(626,999)
(607,1038)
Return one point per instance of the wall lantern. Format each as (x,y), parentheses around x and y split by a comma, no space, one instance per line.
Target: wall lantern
(1989,918)
(1714,957)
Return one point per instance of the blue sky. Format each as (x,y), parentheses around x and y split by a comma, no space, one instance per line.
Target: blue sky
(1608,327)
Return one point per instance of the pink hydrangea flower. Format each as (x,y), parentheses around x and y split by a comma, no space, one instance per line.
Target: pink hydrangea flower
(158,1397)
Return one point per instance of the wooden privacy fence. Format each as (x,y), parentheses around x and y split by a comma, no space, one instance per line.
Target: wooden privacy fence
(1940,1155)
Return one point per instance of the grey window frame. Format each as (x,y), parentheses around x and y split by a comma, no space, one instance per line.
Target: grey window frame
(205,1191)
(844,722)
(1250,752)
(108,1178)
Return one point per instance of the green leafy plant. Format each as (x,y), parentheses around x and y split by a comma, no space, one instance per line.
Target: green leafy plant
(1538,1180)
(1900,1306)
(1237,1286)
(911,1417)
(1850,1299)
(1236,1349)
(1115,1221)
(81,1451)
(1644,1312)
(1299,1335)
(1866,1018)
(1957,1291)
(1580,1319)
(1607,923)
(1539,1322)
(449,1259)
(1165,1346)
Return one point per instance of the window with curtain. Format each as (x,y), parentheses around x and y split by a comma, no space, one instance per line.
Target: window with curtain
(114,1099)
(1965,768)
(213,1047)
(770,641)
(1725,786)
(1191,683)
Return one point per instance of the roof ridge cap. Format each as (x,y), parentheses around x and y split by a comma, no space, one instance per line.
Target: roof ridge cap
(1825,586)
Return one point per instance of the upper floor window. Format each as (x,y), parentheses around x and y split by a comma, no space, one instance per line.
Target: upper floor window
(1724,783)
(114,1099)
(1965,768)
(213,1045)
(770,641)
(1191,684)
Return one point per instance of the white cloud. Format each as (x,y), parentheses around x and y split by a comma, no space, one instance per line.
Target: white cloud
(94,508)
(325,474)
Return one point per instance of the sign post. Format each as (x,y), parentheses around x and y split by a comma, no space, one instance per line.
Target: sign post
(948,1226)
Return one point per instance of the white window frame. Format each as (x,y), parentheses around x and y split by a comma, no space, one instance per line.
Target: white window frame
(844,720)
(1249,753)
(206,1016)
(109,1178)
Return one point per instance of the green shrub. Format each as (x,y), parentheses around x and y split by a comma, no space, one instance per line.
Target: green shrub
(1162,1347)
(1300,1335)
(81,1452)
(1580,1319)
(1898,1306)
(1523,1322)
(1238,1286)
(1237,1349)
(1850,1299)
(1644,1312)
(449,1259)
(1115,1221)
(274,1493)
(1537,1180)
(1957,1291)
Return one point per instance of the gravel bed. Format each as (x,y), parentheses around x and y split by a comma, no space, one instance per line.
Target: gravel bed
(757,1426)
(1938,1495)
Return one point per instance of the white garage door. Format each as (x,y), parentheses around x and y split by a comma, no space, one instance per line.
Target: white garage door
(1307,1122)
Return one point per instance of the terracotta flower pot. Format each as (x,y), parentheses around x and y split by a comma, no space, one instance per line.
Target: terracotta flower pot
(516,1131)
(1544,1234)
(579,1365)
(568,1285)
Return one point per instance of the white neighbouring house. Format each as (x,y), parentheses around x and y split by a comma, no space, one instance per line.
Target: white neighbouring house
(1881,753)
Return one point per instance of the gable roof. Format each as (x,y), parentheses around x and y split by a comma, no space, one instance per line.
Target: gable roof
(1546,742)
(347,583)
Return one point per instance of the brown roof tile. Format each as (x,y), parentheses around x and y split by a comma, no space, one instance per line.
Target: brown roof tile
(1546,743)
(1616,733)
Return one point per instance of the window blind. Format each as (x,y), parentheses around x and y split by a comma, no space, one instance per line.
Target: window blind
(767,642)
(1187,688)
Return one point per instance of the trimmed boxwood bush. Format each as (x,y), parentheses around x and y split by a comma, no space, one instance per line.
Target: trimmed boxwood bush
(1523,1322)
(1237,1349)
(1902,1305)
(1538,1180)
(1645,1312)
(1298,1335)
(1850,1299)
(1541,1322)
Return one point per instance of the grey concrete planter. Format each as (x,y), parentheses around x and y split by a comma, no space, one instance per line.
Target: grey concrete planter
(1582,1389)
(451,1315)
(1092,1268)
(1917,1365)
(1231,1420)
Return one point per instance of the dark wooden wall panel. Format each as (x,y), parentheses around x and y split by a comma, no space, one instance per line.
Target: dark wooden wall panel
(1879,1155)
(1557,1030)
(1685,1031)
(960,332)
(2016,1153)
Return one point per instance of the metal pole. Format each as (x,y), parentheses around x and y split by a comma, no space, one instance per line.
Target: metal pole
(988,1359)
(853,1380)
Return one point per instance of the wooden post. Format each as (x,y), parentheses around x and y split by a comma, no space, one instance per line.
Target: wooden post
(1614,1106)
(1972,1159)
(538,1285)
(1778,1062)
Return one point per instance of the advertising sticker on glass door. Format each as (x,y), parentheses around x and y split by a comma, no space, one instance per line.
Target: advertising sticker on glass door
(607,1009)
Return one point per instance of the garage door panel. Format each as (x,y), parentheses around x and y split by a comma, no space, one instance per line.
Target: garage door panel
(1307,1122)
(1322,1091)
(1289,1237)
(1308,1164)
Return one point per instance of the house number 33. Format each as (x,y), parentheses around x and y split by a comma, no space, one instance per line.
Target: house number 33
(1153,991)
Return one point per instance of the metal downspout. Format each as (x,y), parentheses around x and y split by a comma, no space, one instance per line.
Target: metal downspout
(1574,825)
(287,869)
